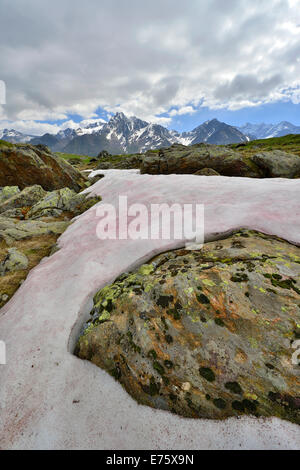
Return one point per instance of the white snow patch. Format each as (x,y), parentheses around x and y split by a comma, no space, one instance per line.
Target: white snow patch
(50,399)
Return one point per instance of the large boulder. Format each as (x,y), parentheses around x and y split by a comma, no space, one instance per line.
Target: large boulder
(278,164)
(207,333)
(13,261)
(62,200)
(26,165)
(12,230)
(26,198)
(181,159)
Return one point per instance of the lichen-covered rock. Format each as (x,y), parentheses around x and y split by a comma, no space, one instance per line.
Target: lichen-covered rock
(14,261)
(62,200)
(18,213)
(205,333)
(207,172)
(278,164)
(12,230)
(26,165)
(26,198)
(184,160)
(7,192)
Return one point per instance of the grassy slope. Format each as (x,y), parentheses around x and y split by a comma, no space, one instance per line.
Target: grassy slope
(289,143)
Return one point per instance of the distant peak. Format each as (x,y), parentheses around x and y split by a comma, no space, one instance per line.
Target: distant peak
(119,115)
(212,121)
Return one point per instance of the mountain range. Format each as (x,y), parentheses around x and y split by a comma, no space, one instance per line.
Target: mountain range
(122,134)
(266,131)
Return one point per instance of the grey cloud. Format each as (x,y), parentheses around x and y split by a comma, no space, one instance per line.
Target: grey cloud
(147,56)
(247,86)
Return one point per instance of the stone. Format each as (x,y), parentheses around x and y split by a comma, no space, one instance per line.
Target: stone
(206,333)
(18,213)
(62,200)
(207,172)
(26,165)
(14,261)
(7,192)
(103,154)
(23,199)
(12,230)
(179,159)
(278,164)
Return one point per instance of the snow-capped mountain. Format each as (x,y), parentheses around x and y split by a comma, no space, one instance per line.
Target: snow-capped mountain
(15,137)
(214,132)
(266,131)
(122,134)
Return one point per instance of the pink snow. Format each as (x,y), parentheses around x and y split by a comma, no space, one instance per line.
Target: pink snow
(49,399)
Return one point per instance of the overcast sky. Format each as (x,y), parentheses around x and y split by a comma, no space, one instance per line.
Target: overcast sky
(173,62)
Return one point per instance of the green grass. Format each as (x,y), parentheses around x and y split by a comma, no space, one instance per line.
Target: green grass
(288,143)
(82,159)
(3,143)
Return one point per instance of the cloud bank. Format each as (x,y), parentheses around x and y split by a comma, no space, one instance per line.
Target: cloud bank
(153,59)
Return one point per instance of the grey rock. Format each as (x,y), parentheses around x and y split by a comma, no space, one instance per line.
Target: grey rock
(26,198)
(278,164)
(7,192)
(12,230)
(14,261)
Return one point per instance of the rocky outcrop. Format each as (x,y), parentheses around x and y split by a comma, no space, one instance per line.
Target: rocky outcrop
(59,201)
(33,202)
(278,164)
(12,230)
(207,333)
(31,220)
(181,159)
(22,199)
(223,160)
(27,165)
(121,162)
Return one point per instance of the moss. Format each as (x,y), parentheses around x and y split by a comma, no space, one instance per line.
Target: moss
(207,374)
(116,373)
(203,299)
(175,312)
(158,367)
(249,405)
(238,406)
(164,300)
(153,387)
(234,387)
(219,322)
(152,354)
(169,339)
(239,278)
(166,380)
(219,403)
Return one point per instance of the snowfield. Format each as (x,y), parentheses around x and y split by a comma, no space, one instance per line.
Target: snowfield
(50,399)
